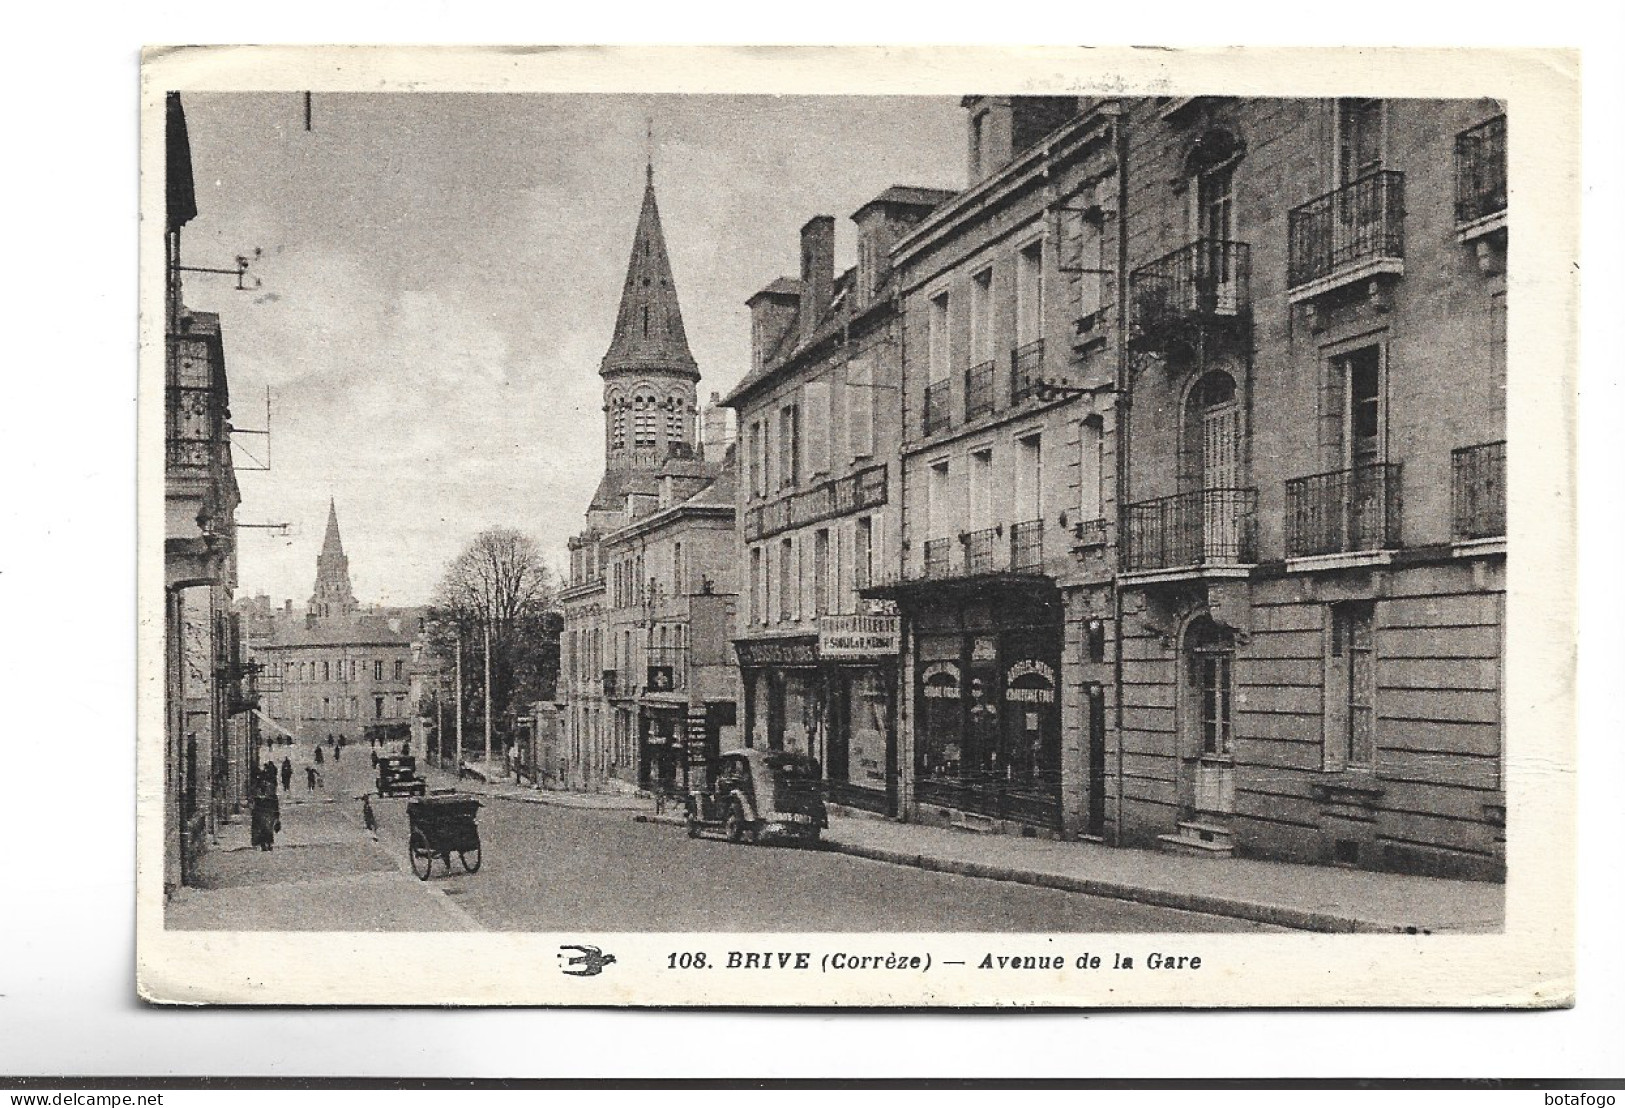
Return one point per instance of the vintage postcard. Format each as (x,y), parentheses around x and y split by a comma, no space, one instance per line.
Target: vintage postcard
(857,527)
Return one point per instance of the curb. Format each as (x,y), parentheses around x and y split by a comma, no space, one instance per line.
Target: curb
(1277,915)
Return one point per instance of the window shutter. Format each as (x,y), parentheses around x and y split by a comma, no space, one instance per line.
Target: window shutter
(1333,401)
(817,398)
(860,409)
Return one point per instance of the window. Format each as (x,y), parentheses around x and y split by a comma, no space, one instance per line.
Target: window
(860,409)
(1090,470)
(377,670)
(1090,263)
(1359,139)
(645,419)
(617,422)
(753,451)
(787,579)
(979,486)
(758,602)
(820,572)
(862,552)
(789,446)
(327,708)
(1352,412)
(866,267)
(1213,193)
(816,397)
(398,664)
(352,669)
(939,509)
(327,671)
(377,707)
(981,317)
(1029,478)
(678,586)
(1351,686)
(937,337)
(400,707)
(1030,293)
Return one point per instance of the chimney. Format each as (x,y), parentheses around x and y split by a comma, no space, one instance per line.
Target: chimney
(817,271)
(715,432)
(771,312)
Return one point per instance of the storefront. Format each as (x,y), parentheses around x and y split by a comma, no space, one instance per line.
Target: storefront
(832,696)
(987,701)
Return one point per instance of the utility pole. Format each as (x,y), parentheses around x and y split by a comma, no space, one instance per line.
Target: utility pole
(487,626)
(459,761)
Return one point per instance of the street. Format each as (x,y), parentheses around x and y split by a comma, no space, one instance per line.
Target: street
(554,868)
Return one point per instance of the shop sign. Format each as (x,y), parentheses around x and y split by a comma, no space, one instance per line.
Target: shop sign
(984,648)
(941,680)
(859,636)
(769,652)
(1039,685)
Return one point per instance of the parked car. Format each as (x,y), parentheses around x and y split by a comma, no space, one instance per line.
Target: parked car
(756,795)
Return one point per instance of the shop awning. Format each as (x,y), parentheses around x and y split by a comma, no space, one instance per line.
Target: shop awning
(275,726)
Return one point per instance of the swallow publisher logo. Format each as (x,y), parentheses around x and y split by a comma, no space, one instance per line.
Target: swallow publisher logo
(589,961)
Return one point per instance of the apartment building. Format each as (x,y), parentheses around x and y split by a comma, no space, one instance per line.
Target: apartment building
(1313,557)
(819,420)
(1009,360)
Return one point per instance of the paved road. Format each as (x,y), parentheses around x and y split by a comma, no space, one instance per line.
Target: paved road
(550,868)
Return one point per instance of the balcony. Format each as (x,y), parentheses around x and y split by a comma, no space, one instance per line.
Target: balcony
(981,550)
(1352,234)
(1089,532)
(1027,371)
(1192,531)
(978,391)
(1481,178)
(1349,511)
(837,496)
(1027,546)
(1205,284)
(1478,506)
(938,558)
(935,416)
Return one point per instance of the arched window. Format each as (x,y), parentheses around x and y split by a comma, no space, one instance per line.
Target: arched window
(615,403)
(645,419)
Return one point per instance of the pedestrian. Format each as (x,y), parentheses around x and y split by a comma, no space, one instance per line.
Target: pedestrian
(266,813)
(310,778)
(374,754)
(368,820)
(287,774)
(318,753)
(337,750)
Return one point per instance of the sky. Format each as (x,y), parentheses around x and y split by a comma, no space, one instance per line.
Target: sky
(438,278)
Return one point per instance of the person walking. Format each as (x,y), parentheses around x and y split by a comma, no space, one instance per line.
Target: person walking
(266,812)
(287,774)
(337,751)
(310,778)
(318,753)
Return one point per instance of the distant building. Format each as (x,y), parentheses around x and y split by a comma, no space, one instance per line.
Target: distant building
(337,671)
(653,462)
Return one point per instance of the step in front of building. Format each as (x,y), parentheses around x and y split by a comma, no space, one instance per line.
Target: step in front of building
(1198,838)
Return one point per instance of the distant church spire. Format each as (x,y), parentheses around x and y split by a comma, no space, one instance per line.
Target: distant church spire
(649,334)
(333,596)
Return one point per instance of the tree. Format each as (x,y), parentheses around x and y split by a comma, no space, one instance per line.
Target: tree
(500,587)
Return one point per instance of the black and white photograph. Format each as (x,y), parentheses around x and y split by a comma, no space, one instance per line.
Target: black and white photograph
(1052,539)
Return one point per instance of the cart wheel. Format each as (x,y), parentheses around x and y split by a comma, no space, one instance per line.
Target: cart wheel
(470,860)
(422,856)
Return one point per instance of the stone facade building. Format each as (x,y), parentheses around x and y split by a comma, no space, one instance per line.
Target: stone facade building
(819,419)
(654,462)
(1313,569)
(338,672)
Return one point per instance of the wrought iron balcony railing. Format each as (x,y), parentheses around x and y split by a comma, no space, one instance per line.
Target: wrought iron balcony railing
(981,550)
(1360,222)
(1481,170)
(1026,371)
(1027,545)
(1478,492)
(1206,280)
(1090,532)
(1344,511)
(978,391)
(938,554)
(935,416)
(1208,527)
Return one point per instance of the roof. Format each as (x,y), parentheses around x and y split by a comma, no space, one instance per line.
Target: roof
(391,627)
(913,196)
(649,332)
(617,483)
(781,286)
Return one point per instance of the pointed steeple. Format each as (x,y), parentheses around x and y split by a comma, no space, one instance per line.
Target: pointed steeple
(333,595)
(649,333)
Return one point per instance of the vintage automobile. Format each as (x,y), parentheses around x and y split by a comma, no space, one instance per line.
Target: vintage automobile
(757,795)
